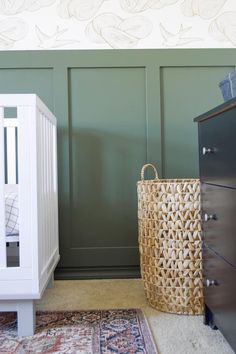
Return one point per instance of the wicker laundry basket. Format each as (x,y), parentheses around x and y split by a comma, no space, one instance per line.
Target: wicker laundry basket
(170,243)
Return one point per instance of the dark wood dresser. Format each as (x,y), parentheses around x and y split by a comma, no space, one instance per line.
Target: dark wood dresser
(217,160)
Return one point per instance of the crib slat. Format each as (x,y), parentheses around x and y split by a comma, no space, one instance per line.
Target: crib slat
(39,177)
(55,191)
(47,185)
(51,186)
(3,256)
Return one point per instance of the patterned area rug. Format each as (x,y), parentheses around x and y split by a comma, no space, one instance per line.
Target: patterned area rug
(80,332)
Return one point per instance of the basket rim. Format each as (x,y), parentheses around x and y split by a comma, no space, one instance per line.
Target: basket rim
(170,180)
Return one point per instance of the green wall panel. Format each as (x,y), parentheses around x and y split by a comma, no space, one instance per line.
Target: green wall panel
(186,93)
(39,81)
(116,110)
(108,143)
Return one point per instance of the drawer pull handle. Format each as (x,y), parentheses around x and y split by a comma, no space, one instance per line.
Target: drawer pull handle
(207,150)
(209,217)
(210,282)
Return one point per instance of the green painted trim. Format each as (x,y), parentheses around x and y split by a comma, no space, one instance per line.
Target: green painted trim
(153,116)
(118,58)
(97,273)
(88,256)
(161,100)
(61,108)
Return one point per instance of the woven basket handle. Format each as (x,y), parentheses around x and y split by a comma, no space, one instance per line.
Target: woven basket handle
(144,168)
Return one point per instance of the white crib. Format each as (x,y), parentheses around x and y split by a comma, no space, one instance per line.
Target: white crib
(28,168)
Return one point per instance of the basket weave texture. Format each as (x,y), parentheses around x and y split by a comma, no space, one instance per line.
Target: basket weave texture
(170,243)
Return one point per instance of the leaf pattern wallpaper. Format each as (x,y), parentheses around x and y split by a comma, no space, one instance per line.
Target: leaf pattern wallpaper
(117,24)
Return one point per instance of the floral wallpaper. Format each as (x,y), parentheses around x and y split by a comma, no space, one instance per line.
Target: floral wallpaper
(117,24)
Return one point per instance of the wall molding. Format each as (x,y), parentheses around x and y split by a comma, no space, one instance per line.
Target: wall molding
(97,273)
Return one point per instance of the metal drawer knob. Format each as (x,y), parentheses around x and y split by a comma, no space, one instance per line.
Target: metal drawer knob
(207,150)
(210,282)
(209,217)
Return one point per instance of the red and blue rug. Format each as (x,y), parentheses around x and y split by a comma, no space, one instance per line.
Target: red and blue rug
(80,332)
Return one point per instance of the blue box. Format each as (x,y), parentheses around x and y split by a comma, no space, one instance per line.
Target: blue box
(228,86)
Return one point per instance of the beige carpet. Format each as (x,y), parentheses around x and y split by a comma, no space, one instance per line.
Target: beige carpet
(174,334)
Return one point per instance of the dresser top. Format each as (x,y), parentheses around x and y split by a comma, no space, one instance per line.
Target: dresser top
(217,110)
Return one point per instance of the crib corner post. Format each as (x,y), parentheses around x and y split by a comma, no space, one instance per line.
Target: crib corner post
(26,317)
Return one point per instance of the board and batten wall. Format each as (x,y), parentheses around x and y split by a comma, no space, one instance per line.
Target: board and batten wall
(116,110)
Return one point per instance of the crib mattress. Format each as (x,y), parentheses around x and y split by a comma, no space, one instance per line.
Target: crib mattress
(12,214)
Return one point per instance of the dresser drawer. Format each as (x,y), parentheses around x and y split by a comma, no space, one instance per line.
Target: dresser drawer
(217,149)
(220,298)
(219,220)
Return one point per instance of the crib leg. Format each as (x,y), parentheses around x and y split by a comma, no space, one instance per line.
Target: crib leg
(26,317)
(51,281)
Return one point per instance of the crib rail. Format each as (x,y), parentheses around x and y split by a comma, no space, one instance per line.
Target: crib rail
(28,158)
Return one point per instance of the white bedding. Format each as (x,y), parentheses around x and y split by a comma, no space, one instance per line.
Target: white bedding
(12,214)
